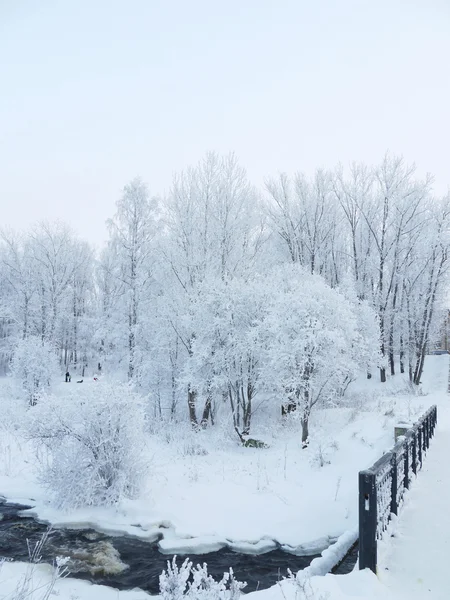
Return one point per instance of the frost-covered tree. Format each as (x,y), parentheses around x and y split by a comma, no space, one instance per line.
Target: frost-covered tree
(371,220)
(423,283)
(226,358)
(132,231)
(56,257)
(304,216)
(214,232)
(81,302)
(48,273)
(20,283)
(34,365)
(366,346)
(311,332)
(95,439)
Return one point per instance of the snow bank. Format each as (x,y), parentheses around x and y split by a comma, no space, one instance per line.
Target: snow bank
(104,521)
(331,556)
(198,545)
(260,547)
(309,548)
(12,574)
(358,585)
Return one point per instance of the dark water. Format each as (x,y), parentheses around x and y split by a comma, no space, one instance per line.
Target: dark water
(348,563)
(126,562)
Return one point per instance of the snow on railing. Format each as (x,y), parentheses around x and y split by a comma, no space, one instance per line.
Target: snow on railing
(382,487)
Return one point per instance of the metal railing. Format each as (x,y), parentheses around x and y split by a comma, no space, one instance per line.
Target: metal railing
(381,488)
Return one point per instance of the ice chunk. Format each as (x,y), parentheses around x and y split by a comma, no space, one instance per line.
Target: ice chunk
(195,545)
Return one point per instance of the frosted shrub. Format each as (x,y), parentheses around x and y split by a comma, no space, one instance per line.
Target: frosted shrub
(173,582)
(323,452)
(33,366)
(94,438)
(196,584)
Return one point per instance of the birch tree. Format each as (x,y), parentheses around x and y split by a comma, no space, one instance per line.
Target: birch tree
(132,231)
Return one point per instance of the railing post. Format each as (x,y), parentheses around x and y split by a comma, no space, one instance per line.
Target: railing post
(394,484)
(414,453)
(424,436)
(367,521)
(419,444)
(406,463)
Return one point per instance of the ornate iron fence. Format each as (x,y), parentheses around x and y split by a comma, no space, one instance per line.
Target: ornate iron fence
(381,488)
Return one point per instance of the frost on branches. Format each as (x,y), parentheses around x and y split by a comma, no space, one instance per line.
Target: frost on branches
(312,334)
(222,302)
(94,439)
(34,364)
(195,583)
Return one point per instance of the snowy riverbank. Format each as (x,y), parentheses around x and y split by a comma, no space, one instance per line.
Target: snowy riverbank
(204,491)
(247,499)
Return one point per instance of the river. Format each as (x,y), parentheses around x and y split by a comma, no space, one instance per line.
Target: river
(127,562)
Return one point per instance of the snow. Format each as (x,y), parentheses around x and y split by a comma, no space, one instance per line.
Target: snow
(414,563)
(242,497)
(65,589)
(200,545)
(332,555)
(251,499)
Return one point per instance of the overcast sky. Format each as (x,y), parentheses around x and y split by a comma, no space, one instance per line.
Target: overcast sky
(94,92)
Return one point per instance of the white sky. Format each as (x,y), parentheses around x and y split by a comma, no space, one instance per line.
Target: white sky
(94,92)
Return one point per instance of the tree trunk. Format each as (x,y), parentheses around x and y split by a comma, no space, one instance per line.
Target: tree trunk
(192,396)
(248,408)
(305,428)
(383,350)
(422,342)
(233,410)
(391,331)
(391,346)
(206,411)
(402,355)
(75,331)
(391,361)
(131,345)
(25,318)
(419,367)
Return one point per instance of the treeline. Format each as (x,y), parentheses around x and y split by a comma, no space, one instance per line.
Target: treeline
(220,295)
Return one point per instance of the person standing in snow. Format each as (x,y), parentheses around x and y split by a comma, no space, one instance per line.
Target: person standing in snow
(68,377)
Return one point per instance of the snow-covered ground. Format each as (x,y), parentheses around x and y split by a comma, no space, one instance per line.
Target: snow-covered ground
(414,562)
(204,491)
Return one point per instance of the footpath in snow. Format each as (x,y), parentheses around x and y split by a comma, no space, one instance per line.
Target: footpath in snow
(414,563)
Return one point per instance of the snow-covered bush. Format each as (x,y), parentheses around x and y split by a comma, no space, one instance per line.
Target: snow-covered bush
(34,364)
(194,583)
(95,438)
